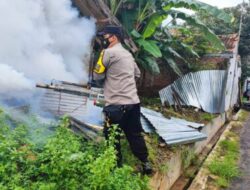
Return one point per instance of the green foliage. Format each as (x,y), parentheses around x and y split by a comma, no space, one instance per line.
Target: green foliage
(217,25)
(150,46)
(128,157)
(66,161)
(243,115)
(143,20)
(222,182)
(154,22)
(187,156)
(152,145)
(244,47)
(198,6)
(150,101)
(207,33)
(231,146)
(164,168)
(207,116)
(225,169)
(225,165)
(115,5)
(147,59)
(172,64)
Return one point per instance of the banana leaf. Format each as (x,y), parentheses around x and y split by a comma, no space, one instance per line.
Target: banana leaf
(174,53)
(154,22)
(149,64)
(207,33)
(135,34)
(172,64)
(189,49)
(151,47)
(197,6)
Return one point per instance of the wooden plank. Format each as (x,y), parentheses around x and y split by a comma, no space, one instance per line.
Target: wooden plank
(91,127)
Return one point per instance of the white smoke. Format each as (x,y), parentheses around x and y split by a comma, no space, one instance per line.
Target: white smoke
(16,83)
(41,40)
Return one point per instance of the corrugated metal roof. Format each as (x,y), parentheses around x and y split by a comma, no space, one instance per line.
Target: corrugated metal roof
(89,120)
(203,89)
(187,123)
(173,131)
(214,91)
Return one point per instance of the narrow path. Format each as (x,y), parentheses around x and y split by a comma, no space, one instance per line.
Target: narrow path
(243,182)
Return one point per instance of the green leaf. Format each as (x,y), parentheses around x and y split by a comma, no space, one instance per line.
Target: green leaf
(155,21)
(151,47)
(197,6)
(135,34)
(174,66)
(207,33)
(175,53)
(189,49)
(150,64)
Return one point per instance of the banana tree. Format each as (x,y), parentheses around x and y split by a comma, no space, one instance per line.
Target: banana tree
(143,19)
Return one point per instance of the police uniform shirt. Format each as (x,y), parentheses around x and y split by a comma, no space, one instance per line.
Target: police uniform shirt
(117,67)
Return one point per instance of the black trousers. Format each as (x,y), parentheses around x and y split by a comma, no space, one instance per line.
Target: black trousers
(130,123)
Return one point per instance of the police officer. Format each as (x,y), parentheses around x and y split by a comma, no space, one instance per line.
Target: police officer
(117,69)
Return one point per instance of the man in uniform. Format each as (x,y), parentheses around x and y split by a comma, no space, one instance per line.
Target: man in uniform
(117,70)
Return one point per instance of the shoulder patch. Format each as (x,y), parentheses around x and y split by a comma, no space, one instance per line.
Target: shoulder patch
(100,68)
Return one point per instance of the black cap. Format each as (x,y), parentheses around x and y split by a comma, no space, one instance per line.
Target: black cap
(111,29)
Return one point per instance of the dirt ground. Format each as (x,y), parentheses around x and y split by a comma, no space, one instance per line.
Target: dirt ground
(243,182)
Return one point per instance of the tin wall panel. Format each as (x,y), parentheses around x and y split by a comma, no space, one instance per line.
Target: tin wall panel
(203,89)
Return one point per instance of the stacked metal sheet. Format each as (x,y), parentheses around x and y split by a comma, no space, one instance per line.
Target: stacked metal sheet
(89,120)
(173,131)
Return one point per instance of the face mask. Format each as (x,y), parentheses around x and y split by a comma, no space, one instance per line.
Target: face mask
(105,43)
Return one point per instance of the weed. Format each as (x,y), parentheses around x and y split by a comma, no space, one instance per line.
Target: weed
(151,101)
(65,161)
(222,182)
(196,161)
(175,148)
(127,155)
(243,115)
(163,169)
(207,116)
(231,148)
(224,168)
(187,155)
(225,164)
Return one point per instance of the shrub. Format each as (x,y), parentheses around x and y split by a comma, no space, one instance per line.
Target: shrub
(65,161)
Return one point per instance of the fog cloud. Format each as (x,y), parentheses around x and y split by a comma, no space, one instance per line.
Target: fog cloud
(41,40)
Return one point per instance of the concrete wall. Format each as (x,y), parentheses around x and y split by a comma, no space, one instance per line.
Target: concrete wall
(165,181)
(210,130)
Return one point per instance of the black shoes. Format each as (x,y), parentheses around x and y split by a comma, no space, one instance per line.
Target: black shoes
(147,168)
